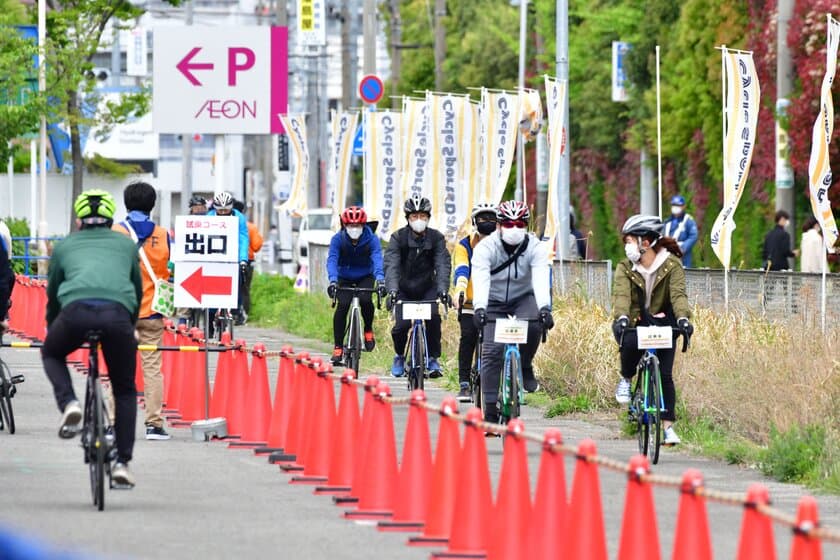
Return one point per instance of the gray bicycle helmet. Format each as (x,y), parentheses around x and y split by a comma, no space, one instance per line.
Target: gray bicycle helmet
(641,225)
(417,203)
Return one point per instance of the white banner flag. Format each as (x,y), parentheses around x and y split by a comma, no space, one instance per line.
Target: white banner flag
(819,170)
(338,172)
(295,126)
(447,113)
(500,112)
(532,114)
(382,169)
(468,192)
(742,104)
(417,169)
(555,94)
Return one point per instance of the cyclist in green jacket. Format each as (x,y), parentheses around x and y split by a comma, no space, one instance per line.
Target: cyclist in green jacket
(94,284)
(649,289)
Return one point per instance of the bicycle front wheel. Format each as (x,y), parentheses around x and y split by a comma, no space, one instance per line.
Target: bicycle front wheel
(417,371)
(637,412)
(655,411)
(515,386)
(98,447)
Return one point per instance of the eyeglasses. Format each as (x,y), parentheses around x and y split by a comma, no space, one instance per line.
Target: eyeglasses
(514,223)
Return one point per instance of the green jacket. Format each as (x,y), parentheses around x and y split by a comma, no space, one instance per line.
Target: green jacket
(668,292)
(94,263)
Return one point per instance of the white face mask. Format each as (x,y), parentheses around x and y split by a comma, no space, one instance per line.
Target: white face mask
(354,232)
(632,252)
(677,210)
(513,236)
(419,226)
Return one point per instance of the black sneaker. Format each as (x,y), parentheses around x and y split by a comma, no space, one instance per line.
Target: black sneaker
(465,395)
(157,432)
(531,385)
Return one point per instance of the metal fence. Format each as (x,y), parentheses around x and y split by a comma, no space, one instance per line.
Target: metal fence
(778,296)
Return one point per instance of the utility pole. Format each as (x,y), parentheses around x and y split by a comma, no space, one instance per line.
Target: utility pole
(346,66)
(784,86)
(396,53)
(562,65)
(186,140)
(440,43)
(520,141)
(369,25)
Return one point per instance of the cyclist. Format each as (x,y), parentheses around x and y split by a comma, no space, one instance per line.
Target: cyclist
(510,276)
(484,221)
(94,283)
(355,259)
(255,243)
(223,206)
(417,267)
(198,206)
(649,289)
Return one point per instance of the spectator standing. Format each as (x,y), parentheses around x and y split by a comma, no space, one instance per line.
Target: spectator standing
(776,251)
(813,251)
(682,227)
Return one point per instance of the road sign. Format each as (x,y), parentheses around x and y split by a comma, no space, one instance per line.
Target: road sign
(206,239)
(220,79)
(359,141)
(371,89)
(206,285)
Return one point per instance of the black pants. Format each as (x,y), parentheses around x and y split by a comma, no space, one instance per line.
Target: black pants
(630,356)
(119,346)
(246,287)
(466,346)
(493,353)
(399,333)
(343,307)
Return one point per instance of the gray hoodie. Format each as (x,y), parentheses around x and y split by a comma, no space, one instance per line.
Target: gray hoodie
(528,274)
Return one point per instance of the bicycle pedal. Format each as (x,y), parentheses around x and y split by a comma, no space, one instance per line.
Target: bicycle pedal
(118,486)
(17,379)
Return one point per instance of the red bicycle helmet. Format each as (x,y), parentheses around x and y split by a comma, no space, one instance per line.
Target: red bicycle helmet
(513,210)
(353,215)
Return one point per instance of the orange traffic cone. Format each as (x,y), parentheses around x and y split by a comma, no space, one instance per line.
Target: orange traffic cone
(280,409)
(321,430)
(513,502)
(371,383)
(412,499)
(639,535)
(444,479)
(237,388)
(258,410)
(756,541)
(173,396)
(309,393)
(138,374)
(550,506)
(469,534)
(376,499)
(585,529)
(692,541)
(194,385)
(294,428)
(221,382)
(805,547)
(344,442)
(166,359)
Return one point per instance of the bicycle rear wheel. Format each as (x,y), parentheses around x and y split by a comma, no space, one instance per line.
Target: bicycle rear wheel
(654,411)
(98,447)
(417,371)
(353,349)
(6,387)
(638,414)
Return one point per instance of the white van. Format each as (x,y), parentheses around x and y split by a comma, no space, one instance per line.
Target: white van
(315,227)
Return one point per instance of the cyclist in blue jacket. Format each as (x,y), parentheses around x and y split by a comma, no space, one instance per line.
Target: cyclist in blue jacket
(355,260)
(223,206)
(682,227)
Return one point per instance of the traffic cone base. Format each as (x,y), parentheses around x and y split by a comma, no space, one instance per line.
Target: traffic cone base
(399,526)
(267,450)
(448,554)
(280,457)
(366,515)
(246,444)
(307,479)
(345,500)
(427,541)
(291,467)
(326,490)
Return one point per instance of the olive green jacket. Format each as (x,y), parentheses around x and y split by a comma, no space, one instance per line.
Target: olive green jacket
(668,291)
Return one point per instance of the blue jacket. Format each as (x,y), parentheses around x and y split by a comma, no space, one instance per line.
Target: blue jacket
(354,262)
(684,230)
(244,241)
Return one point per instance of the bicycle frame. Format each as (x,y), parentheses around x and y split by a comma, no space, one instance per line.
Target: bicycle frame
(415,366)
(96,441)
(353,332)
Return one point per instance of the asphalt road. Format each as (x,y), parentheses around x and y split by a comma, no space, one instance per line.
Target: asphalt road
(203,500)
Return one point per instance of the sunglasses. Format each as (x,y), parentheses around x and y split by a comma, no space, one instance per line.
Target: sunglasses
(514,223)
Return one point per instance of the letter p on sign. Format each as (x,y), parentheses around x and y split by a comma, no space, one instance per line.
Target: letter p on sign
(234,64)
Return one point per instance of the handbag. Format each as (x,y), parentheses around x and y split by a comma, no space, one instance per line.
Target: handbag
(163,301)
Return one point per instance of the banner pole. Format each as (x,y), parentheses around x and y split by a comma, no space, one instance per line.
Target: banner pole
(658,136)
(822,285)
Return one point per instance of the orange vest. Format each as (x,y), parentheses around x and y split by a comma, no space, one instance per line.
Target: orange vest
(156,247)
(255,240)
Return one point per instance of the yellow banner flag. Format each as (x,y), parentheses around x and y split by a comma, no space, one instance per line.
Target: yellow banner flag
(382,169)
(338,173)
(555,94)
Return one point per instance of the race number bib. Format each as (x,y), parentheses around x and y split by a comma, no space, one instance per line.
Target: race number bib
(650,338)
(511,331)
(417,311)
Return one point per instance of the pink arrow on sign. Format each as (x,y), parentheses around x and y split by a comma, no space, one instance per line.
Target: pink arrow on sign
(186,65)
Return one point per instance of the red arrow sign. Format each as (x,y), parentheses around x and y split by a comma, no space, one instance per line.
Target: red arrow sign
(186,65)
(198,285)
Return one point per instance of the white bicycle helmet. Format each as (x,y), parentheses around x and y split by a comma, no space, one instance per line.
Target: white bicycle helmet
(484,208)
(641,225)
(223,200)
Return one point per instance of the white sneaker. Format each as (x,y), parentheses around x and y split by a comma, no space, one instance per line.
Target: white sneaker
(622,392)
(70,419)
(121,476)
(671,437)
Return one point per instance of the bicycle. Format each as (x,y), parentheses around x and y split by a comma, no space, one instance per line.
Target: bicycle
(511,332)
(646,399)
(417,354)
(7,391)
(354,343)
(223,321)
(475,368)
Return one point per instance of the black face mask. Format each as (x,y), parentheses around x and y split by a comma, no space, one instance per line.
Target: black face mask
(485,228)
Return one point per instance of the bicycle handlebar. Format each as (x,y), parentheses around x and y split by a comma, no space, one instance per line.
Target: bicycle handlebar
(543,330)
(356,290)
(685,344)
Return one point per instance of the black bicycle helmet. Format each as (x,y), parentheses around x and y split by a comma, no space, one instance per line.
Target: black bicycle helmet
(642,225)
(197,201)
(417,203)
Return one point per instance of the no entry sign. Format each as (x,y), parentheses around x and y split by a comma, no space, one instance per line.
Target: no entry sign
(371,89)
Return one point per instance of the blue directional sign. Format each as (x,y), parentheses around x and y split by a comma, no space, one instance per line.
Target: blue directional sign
(358,141)
(371,89)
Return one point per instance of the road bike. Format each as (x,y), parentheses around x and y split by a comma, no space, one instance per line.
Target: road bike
(7,391)
(475,367)
(223,321)
(417,348)
(646,399)
(511,332)
(354,343)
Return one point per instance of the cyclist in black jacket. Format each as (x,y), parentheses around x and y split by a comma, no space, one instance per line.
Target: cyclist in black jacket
(417,267)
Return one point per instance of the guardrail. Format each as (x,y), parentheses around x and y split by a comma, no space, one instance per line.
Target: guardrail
(27,257)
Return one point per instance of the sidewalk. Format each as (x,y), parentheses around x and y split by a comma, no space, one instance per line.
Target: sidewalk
(203,500)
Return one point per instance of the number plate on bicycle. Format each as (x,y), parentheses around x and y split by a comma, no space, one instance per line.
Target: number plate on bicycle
(511,331)
(417,311)
(654,337)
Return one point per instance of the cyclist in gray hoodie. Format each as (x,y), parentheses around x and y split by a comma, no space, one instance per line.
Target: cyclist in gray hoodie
(511,276)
